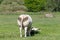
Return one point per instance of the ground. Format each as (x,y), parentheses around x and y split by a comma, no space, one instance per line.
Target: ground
(50,27)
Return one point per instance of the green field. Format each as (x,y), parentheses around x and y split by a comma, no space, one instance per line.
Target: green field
(50,27)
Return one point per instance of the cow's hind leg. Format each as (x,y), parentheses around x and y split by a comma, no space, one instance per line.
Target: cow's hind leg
(25,31)
(20,31)
(29,32)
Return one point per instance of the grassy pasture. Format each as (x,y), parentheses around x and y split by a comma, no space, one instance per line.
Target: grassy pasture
(50,27)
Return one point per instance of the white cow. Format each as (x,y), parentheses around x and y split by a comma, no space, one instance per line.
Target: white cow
(25,22)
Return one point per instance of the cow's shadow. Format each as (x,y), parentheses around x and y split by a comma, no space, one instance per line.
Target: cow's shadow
(33,32)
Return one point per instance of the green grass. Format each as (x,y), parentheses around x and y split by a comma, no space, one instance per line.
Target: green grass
(50,27)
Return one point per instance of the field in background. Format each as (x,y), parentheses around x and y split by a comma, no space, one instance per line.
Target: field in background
(50,27)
